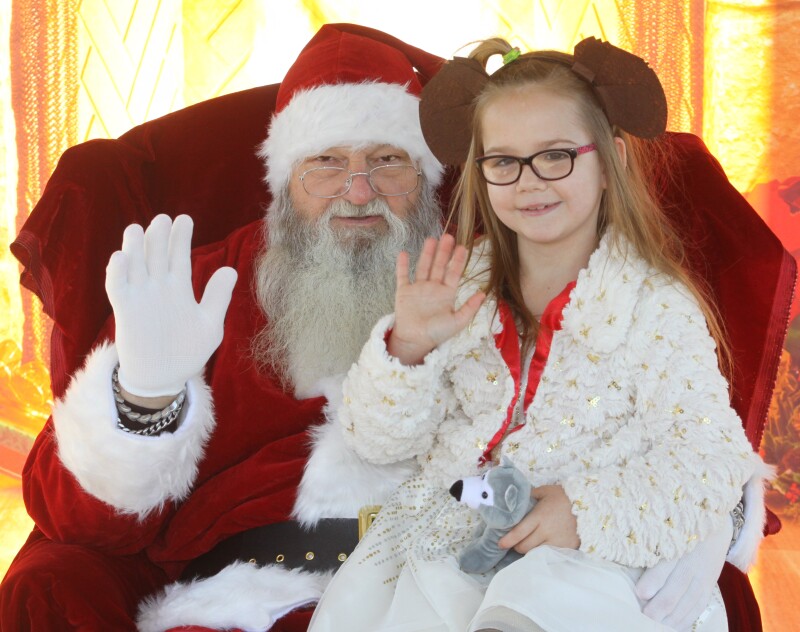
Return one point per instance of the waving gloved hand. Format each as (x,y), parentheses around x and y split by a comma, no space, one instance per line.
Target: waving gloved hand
(163,335)
(679,590)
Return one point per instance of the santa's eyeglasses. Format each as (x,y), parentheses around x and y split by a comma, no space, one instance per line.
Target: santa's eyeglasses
(333,182)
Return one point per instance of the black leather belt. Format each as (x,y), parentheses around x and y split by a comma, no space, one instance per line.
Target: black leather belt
(321,548)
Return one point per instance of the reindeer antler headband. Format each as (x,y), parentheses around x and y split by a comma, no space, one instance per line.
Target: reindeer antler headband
(626,87)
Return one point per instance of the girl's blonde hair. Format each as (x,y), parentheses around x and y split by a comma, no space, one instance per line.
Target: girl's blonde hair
(628,202)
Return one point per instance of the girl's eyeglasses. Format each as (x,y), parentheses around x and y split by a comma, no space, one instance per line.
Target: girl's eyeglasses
(549,164)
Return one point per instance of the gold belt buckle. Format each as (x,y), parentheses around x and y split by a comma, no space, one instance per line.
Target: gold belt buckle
(365,517)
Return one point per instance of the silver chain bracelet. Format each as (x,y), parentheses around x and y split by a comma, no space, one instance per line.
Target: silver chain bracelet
(737,515)
(145,418)
(151,423)
(147,431)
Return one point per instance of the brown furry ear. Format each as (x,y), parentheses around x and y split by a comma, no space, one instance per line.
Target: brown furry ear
(446,109)
(629,90)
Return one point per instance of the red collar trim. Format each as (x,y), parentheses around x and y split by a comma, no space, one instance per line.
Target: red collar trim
(507,341)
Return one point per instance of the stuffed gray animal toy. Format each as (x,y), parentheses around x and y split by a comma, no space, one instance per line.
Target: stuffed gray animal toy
(502,498)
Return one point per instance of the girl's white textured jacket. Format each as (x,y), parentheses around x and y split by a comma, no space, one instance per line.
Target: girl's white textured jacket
(631,415)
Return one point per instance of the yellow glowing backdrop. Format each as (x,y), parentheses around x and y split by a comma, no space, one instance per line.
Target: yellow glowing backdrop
(71,71)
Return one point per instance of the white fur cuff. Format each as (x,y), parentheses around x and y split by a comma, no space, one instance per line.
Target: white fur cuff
(337,482)
(744,550)
(240,596)
(134,474)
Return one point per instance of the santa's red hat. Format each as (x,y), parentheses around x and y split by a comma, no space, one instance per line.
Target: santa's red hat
(351,85)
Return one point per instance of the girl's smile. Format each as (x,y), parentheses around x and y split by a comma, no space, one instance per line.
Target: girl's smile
(536,210)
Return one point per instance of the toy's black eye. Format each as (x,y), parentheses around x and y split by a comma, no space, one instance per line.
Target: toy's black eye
(484,495)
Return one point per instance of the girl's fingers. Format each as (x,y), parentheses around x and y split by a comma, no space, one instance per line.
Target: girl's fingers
(467,311)
(444,252)
(525,529)
(401,270)
(456,267)
(423,270)
(529,543)
(521,532)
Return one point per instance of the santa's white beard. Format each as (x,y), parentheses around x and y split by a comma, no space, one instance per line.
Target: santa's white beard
(323,289)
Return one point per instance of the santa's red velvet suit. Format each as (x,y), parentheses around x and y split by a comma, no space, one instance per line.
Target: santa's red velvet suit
(258,439)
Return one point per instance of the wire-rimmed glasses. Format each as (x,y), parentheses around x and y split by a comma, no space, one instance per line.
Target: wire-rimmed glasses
(333,182)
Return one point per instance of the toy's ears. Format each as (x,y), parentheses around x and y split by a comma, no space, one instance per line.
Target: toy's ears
(506,462)
(511,496)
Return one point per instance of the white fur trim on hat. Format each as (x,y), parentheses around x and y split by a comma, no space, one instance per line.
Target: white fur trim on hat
(352,114)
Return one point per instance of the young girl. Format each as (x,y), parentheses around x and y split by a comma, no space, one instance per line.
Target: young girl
(576,345)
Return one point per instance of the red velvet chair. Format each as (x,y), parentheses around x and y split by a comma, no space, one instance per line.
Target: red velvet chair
(201,161)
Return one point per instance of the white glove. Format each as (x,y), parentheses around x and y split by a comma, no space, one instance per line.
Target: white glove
(163,336)
(679,590)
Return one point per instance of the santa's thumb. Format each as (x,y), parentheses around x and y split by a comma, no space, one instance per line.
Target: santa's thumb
(217,294)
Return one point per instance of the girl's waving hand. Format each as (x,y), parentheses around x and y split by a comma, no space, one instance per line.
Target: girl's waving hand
(425,313)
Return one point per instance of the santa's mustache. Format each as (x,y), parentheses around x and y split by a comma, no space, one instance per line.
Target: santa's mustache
(344,208)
